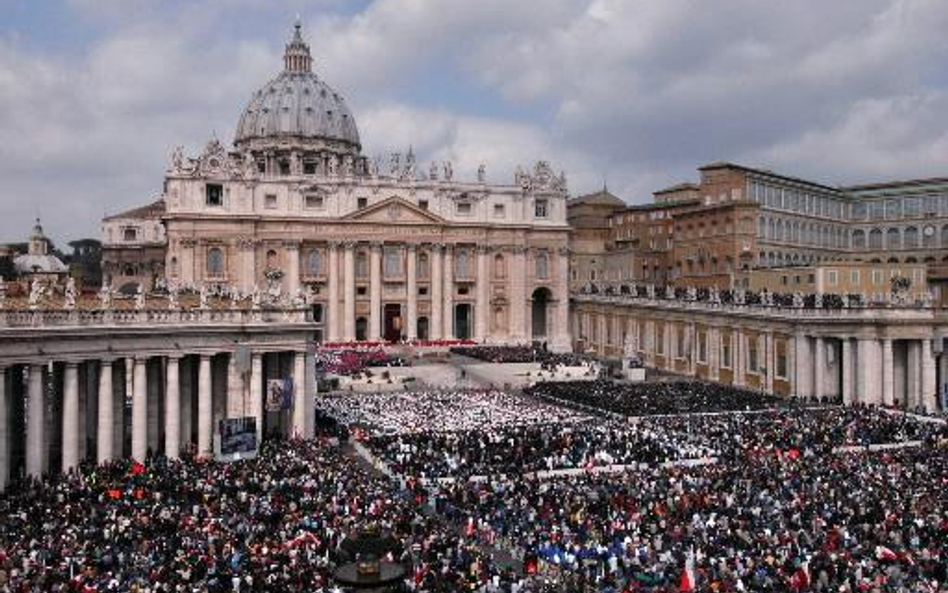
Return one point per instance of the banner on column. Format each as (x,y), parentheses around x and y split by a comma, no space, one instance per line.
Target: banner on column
(279,394)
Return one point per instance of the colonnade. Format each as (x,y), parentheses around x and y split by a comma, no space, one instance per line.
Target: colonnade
(63,409)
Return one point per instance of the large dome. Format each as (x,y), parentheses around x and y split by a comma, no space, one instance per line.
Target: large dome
(297,106)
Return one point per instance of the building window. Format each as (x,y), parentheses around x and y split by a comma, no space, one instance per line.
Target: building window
(462,264)
(422,291)
(498,210)
(726,352)
(542,266)
(752,357)
(270,201)
(541,208)
(314,202)
(781,360)
(362,265)
(361,203)
(832,278)
(854,277)
(423,204)
(859,239)
(500,267)
(130,234)
(215,262)
(309,168)
(214,194)
(422,265)
(314,263)
(393,262)
(877,277)
(284,167)
(703,347)
(463,208)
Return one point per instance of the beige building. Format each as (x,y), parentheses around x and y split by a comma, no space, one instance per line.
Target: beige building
(873,280)
(379,250)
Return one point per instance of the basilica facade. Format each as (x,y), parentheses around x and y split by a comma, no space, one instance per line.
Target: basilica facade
(381,250)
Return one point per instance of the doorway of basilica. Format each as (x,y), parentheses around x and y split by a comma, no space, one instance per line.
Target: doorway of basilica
(393,322)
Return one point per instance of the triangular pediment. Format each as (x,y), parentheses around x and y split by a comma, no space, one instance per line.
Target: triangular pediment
(394,210)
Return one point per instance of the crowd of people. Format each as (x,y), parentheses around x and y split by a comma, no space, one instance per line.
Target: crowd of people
(520,353)
(408,412)
(350,362)
(652,398)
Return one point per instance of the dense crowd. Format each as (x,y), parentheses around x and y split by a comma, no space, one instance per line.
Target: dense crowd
(645,399)
(351,362)
(442,411)
(846,523)
(509,354)
(274,523)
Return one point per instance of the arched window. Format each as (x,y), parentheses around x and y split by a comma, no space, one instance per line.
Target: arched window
(314,263)
(893,239)
(875,239)
(215,262)
(859,239)
(910,237)
(271,259)
(542,266)
(500,267)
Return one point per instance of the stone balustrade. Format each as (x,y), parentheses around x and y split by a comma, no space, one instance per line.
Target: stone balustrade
(26,318)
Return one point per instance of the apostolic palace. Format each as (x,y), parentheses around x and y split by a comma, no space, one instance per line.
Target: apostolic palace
(257,254)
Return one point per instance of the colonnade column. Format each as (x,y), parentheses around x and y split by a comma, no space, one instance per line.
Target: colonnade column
(172,407)
(435,324)
(205,444)
(104,441)
(561,339)
(256,393)
(332,289)
(411,288)
(847,386)
(913,378)
(739,357)
(819,368)
(375,291)
(35,437)
(448,295)
(770,355)
(929,396)
(300,395)
(139,411)
(803,384)
(4,431)
(349,332)
(888,372)
(714,354)
(482,298)
(70,441)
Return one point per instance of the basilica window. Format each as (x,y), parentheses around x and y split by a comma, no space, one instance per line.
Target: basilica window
(423,204)
(314,202)
(362,203)
(362,265)
(130,234)
(309,168)
(498,210)
(541,208)
(462,264)
(393,262)
(422,265)
(542,266)
(314,263)
(500,267)
(270,201)
(271,259)
(284,167)
(463,208)
(214,194)
(215,262)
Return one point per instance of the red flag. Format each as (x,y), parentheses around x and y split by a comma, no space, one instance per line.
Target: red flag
(114,494)
(688,582)
(137,469)
(801,578)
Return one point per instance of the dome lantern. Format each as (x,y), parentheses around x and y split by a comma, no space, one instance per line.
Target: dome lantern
(297,58)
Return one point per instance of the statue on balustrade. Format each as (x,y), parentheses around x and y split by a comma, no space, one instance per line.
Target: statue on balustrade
(69,295)
(203,297)
(36,293)
(255,298)
(173,295)
(3,293)
(140,298)
(105,296)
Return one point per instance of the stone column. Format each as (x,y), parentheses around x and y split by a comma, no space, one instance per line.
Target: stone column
(104,448)
(802,357)
(929,397)
(36,422)
(714,354)
(740,356)
(435,261)
(205,419)
(913,374)
(448,294)
(375,292)
(172,407)
(256,393)
(482,298)
(300,395)
(847,387)
(561,336)
(292,266)
(868,371)
(349,293)
(888,373)
(943,367)
(332,294)
(185,367)
(70,444)
(139,410)
(771,360)
(518,294)
(411,288)
(819,368)
(4,431)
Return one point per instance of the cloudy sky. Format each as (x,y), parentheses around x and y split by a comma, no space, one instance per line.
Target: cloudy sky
(94,94)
